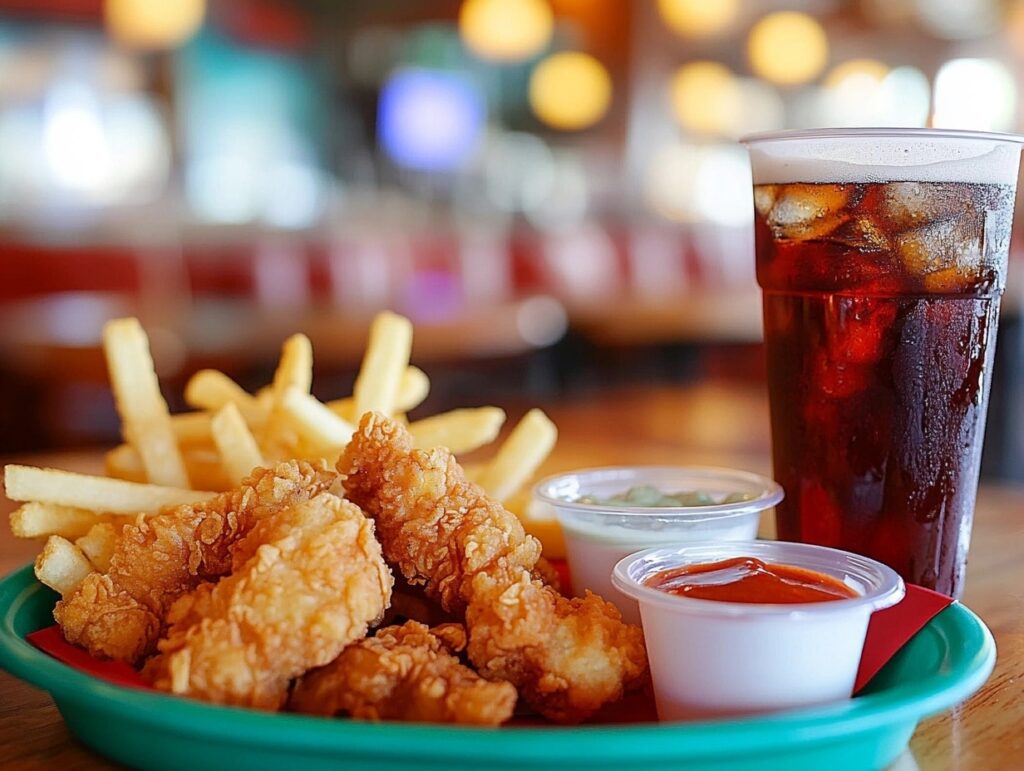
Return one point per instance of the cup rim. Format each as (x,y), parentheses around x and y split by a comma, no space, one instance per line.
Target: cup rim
(885,586)
(879,132)
(771,492)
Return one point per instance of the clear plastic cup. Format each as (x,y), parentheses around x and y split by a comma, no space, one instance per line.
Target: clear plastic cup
(711,658)
(597,536)
(882,255)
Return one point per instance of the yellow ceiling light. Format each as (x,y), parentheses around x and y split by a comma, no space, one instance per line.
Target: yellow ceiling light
(570,91)
(705,98)
(698,18)
(506,30)
(856,69)
(787,48)
(153,24)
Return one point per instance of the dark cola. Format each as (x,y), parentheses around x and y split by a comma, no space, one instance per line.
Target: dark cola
(881,303)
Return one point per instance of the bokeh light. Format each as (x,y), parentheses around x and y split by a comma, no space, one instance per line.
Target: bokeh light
(708,183)
(763,109)
(570,91)
(856,70)
(787,48)
(153,24)
(706,98)
(864,92)
(506,30)
(668,183)
(699,18)
(959,19)
(429,120)
(975,94)
(722,186)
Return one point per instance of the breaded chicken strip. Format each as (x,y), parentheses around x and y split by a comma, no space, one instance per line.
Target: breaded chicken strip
(119,613)
(305,582)
(438,528)
(408,673)
(566,657)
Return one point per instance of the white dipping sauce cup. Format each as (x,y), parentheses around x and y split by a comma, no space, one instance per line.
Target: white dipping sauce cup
(597,536)
(712,658)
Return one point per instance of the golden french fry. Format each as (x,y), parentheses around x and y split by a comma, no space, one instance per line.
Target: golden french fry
(210,389)
(124,463)
(38,520)
(191,428)
(412,390)
(472,471)
(203,464)
(294,373)
(459,430)
(145,421)
(386,358)
(237,446)
(317,427)
(101,494)
(206,470)
(61,565)
(295,369)
(529,444)
(98,545)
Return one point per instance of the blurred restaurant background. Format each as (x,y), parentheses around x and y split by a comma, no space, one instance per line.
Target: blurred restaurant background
(550,189)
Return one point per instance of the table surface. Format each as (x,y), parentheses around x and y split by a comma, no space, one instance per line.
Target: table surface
(715,424)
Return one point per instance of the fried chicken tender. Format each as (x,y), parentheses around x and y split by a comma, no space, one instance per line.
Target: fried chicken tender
(304,583)
(566,657)
(119,614)
(437,527)
(409,673)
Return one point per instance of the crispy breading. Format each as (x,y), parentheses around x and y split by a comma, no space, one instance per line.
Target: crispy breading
(439,529)
(305,582)
(119,614)
(566,657)
(406,672)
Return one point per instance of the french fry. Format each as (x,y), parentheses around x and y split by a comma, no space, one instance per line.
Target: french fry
(82,491)
(206,470)
(459,430)
(210,389)
(61,565)
(145,421)
(39,520)
(237,446)
(320,429)
(295,369)
(294,373)
(529,444)
(124,463)
(191,428)
(386,358)
(203,464)
(412,390)
(98,545)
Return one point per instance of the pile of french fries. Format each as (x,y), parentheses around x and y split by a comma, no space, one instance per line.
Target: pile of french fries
(169,460)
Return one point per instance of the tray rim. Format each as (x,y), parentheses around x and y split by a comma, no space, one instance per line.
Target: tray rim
(972,664)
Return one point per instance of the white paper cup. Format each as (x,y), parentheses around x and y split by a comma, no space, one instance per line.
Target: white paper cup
(723,658)
(598,536)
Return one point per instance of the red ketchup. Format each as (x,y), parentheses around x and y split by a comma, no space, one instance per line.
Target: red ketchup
(747,579)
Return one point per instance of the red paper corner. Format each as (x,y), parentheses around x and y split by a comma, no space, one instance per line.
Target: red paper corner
(52,642)
(892,628)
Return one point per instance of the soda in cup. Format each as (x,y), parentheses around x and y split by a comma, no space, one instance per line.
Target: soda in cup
(881,254)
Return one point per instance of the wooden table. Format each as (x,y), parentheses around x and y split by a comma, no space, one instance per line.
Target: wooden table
(710,423)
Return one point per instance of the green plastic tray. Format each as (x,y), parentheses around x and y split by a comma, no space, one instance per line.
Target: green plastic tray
(946,662)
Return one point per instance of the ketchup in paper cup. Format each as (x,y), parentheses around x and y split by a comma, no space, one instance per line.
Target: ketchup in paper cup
(608,513)
(738,628)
